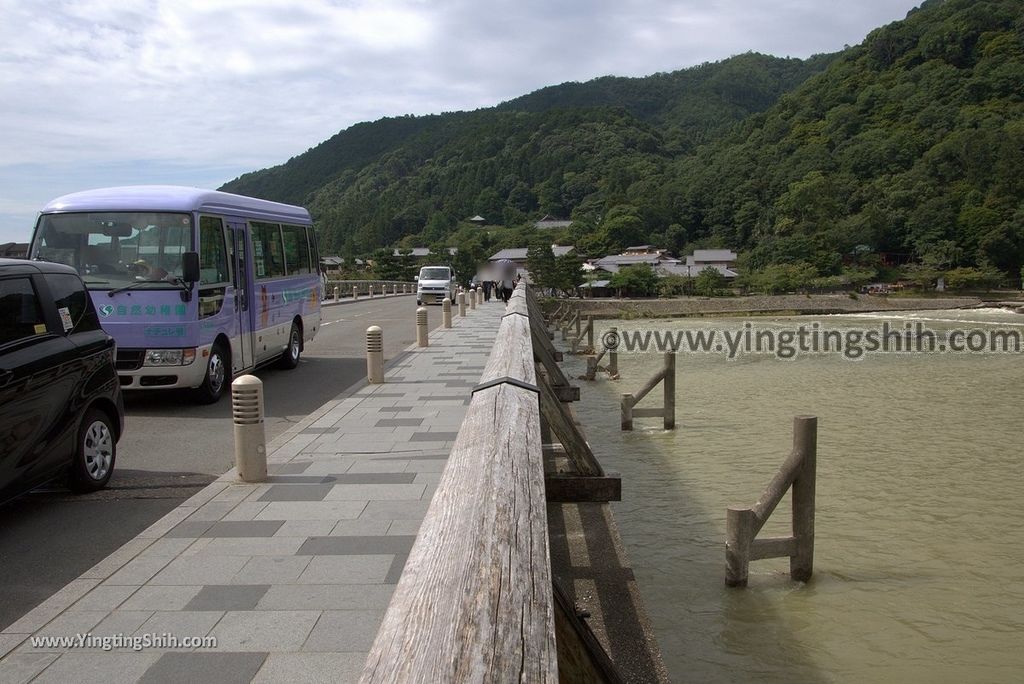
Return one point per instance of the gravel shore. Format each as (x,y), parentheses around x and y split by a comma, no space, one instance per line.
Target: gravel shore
(762,304)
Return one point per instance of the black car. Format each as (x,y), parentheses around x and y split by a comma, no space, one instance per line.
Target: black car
(61,412)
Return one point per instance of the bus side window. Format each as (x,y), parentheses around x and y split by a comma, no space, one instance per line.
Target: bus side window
(296,250)
(213,266)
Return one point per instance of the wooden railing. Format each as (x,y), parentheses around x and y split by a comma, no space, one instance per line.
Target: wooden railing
(475,601)
(668,409)
(743,524)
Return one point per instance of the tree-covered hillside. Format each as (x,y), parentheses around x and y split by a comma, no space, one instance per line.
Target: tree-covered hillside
(911,144)
(577,145)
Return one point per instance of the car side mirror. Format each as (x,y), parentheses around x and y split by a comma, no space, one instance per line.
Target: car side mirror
(416,278)
(190,267)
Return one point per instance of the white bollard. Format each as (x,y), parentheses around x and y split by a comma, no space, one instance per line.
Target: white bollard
(337,293)
(355,293)
(374,355)
(462,303)
(250,440)
(446,312)
(472,298)
(421,326)
(371,290)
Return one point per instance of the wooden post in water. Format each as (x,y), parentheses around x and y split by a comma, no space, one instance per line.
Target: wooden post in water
(805,442)
(670,390)
(613,354)
(743,524)
(627,411)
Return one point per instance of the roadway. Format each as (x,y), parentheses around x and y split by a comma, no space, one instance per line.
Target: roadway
(172,447)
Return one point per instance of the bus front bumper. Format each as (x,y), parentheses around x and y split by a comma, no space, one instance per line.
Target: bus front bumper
(135,375)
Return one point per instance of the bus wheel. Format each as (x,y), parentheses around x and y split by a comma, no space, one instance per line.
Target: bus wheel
(290,356)
(218,375)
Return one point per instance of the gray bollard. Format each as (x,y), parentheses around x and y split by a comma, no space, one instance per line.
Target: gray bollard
(462,303)
(421,327)
(374,355)
(472,298)
(446,312)
(355,293)
(250,440)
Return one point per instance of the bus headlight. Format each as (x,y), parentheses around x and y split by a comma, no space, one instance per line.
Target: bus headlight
(169,357)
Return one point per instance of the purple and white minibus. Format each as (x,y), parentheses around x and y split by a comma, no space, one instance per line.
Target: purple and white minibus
(195,286)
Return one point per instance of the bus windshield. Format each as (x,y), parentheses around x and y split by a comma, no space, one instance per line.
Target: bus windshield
(115,249)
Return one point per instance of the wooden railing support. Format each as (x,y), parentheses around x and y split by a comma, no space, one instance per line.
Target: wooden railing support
(668,410)
(743,524)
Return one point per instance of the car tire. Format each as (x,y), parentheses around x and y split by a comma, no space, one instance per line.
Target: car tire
(290,356)
(217,376)
(95,453)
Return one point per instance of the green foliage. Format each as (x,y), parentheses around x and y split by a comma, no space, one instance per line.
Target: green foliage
(779,278)
(709,282)
(635,281)
(911,143)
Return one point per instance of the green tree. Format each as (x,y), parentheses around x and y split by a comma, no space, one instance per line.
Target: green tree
(635,281)
(709,282)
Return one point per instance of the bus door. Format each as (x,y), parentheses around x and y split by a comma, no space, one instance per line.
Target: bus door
(243,297)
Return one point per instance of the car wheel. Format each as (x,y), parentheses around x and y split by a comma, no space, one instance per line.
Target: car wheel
(290,356)
(95,453)
(217,378)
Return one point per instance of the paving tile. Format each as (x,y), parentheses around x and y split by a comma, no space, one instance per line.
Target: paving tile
(190,528)
(225,597)
(326,597)
(271,570)
(262,631)
(434,437)
(8,642)
(139,570)
(251,546)
(374,478)
(296,492)
(305,528)
(399,422)
(201,570)
(264,526)
(371,492)
(111,667)
(347,569)
(311,510)
(292,468)
(19,668)
(105,597)
(357,528)
(158,597)
(356,545)
(121,622)
(223,668)
(181,623)
(344,631)
(395,510)
(311,668)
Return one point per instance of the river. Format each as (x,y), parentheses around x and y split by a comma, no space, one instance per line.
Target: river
(919,550)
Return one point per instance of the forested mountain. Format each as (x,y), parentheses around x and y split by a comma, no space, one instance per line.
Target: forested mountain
(911,143)
(548,152)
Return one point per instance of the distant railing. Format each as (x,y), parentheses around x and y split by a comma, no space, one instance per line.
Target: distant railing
(362,288)
(743,524)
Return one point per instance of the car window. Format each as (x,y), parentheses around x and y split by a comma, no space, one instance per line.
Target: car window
(72,302)
(20,315)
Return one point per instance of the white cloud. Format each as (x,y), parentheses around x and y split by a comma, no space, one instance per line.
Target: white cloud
(149,85)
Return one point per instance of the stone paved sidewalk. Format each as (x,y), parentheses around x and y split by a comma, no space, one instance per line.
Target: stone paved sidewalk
(291,576)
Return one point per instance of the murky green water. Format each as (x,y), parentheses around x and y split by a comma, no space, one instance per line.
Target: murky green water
(919,561)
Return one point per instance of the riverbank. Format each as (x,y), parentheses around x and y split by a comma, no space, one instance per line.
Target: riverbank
(761,304)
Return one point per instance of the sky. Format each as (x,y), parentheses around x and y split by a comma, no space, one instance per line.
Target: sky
(96,93)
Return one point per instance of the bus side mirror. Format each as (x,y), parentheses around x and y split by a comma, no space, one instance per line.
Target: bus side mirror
(190,267)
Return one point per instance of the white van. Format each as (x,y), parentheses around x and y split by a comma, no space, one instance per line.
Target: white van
(434,283)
